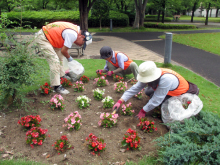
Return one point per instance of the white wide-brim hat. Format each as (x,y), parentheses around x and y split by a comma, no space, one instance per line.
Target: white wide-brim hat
(148,72)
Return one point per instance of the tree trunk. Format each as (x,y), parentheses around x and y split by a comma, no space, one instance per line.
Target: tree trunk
(84,7)
(193,10)
(216,14)
(207,14)
(100,23)
(140,13)
(163,6)
(158,16)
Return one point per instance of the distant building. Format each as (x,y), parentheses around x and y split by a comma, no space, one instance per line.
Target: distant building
(201,12)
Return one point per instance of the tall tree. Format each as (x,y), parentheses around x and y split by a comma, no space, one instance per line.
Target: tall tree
(207,5)
(84,7)
(195,5)
(140,6)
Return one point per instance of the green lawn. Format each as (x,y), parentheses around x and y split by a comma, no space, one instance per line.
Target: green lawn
(210,19)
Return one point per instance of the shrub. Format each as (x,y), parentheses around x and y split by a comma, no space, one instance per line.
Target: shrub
(30,121)
(96,145)
(46,89)
(62,144)
(73,121)
(196,141)
(146,126)
(131,140)
(168,26)
(84,79)
(108,120)
(57,102)
(65,83)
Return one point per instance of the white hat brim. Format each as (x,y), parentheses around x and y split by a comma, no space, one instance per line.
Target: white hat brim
(150,78)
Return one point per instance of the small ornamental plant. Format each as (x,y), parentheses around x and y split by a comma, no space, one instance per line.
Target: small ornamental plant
(146,126)
(139,95)
(99,74)
(133,81)
(65,83)
(57,102)
(108,120)
(96,145)
(62,144)
(46,89)
(30,121)
(84,79)
(101,81)
(98,94)
(157,112)
(83,101)
(131,140)
(35,136)
(108,102)
(73,121)
(185,106)
(117,78)
(127,109)
(78,86)
(120,87)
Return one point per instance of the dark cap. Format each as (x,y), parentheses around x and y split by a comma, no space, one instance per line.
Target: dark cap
(105,52)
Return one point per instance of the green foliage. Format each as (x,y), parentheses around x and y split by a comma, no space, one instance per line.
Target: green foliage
(153,18)
(168,26)
(195,141)
(16,70)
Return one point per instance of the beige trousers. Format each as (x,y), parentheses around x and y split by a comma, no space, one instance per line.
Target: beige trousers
(133,68)
(54,58)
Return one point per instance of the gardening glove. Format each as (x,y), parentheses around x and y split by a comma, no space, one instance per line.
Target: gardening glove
(141,113)
(117,105)
(99,71)
(70,59)
(109,73)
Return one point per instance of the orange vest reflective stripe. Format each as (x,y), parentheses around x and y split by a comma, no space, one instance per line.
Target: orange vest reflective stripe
(53,32)
(126,63)
(183,86)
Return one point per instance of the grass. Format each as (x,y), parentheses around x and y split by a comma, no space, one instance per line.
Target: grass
(200,41)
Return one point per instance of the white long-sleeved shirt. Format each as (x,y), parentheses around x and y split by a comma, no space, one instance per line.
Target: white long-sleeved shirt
(121,59)
(167,82)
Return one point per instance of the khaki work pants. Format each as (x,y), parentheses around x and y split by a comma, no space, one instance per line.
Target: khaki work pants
(54,58)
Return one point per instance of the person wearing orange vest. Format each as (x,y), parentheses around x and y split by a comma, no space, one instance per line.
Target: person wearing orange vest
(117,63)
(162,84)
(54,40)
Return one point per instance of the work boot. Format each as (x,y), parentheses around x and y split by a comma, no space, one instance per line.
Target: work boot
(61,90)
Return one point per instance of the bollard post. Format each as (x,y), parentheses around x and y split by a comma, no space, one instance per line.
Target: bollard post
(168,48)
(110,24)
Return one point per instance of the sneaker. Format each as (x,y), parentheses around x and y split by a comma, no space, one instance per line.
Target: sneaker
(61,90)
(67,77)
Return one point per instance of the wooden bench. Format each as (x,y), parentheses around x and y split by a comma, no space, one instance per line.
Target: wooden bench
(176,17)
(79,49)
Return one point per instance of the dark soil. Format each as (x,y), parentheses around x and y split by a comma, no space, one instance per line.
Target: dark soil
(12,135)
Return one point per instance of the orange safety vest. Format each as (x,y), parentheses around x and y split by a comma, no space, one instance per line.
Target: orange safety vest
(53,32)
(183,86)
(126,63)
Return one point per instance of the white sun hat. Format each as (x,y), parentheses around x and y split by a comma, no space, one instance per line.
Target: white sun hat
(148,72)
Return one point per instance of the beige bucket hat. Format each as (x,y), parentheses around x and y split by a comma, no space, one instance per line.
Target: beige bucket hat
(148,72)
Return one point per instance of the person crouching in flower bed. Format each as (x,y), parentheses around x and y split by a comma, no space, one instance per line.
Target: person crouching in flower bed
(117,63)
(162,84)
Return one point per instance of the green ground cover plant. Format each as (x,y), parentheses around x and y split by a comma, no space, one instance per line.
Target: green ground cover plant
(199,40)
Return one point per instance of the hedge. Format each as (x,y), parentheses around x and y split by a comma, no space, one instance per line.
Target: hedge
(39,18)
(168,26)
(153,18)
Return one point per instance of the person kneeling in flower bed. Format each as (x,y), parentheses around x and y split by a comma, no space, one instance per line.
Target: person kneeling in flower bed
(108,102)
(65,83)
(117,63)
(57,102)
(131,140)
(108,120)
(96,145)
(127,109)
(83,101)
(101,81)
(73,121)
(146,126)
(35,136)
(62,144)
(162,84)
(30,121)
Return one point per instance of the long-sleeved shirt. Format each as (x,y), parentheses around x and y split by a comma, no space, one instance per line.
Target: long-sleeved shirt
(121,59)
(167,82)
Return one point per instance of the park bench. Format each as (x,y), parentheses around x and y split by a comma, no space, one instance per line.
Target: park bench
(79,49)
(176,17)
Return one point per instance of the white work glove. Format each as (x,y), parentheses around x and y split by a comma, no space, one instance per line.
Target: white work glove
(70,59)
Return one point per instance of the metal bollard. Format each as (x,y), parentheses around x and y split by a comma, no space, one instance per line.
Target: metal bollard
(168,48)
(110,24)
